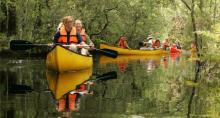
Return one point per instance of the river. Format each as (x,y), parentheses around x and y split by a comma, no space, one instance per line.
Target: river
(145,86)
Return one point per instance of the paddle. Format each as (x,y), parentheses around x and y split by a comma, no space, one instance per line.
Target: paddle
(107,76)
(21,89)
(24,89)
(25,45)
(106,52)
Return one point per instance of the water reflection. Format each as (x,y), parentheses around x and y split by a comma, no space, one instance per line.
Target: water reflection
(69,88)
(149,63)
(62,83)
(146,87)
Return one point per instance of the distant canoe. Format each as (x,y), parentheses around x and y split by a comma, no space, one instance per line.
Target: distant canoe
(62,83)
(122,51)
(62,59)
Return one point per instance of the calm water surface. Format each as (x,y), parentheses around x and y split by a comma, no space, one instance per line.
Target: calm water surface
(150,86)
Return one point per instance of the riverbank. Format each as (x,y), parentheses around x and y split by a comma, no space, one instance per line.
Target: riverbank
(36,53)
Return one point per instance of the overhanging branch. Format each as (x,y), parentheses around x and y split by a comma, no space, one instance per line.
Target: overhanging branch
(106,21)
(185,3)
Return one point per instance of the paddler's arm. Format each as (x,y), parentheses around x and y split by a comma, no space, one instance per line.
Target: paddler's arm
(126,44)
(89,41)
(56,37)
(79,38)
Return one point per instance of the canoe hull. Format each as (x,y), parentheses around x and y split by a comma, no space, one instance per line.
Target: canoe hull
(61,59)
(62,83)
(122,51)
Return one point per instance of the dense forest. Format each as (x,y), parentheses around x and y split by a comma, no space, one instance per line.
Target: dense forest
(161,86)
(184,21)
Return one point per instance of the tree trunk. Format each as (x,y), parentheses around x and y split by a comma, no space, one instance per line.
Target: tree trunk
(192,13)
(7,17)
(215,10)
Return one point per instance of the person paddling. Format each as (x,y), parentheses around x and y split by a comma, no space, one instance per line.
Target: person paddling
(84,37)
(122,43)
(166,44)
(67,34)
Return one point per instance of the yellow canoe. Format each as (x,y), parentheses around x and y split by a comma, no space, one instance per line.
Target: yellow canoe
(62,83)
(125,58)
(62,59)
(122,51)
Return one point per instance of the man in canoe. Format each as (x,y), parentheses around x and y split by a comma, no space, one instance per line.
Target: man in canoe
(68,35)
(166,44)
(122,43)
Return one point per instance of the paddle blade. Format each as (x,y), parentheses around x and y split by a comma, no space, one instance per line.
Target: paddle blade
(20,45)
(19,89)
(107,76)
(108,52)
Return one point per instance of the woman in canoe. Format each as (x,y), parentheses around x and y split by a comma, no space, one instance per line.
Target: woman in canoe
(80,29)
(85,38)
(68,35)
(122,42)
(156,44)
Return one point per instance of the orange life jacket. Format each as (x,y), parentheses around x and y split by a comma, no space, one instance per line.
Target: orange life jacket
(83,34)
(72,101)
(63,36)
(61,104)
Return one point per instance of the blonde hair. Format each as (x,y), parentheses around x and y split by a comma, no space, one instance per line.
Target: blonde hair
(78,22)
(59,26)
(67,19)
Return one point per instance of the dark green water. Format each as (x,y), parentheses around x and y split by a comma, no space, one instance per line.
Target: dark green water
(145,87)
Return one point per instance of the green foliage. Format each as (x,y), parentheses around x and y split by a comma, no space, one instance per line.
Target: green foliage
(211,40)
(37,20)
(2,16)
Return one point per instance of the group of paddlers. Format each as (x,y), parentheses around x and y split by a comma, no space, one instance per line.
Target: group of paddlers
(72,34)
(154,43)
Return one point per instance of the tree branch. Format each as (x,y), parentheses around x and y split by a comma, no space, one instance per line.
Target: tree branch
(106,19)
(103,28)
(185,3)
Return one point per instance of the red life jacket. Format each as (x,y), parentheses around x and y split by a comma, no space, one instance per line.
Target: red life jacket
(122,43)
(156,44)
(174,49)
(82,87)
